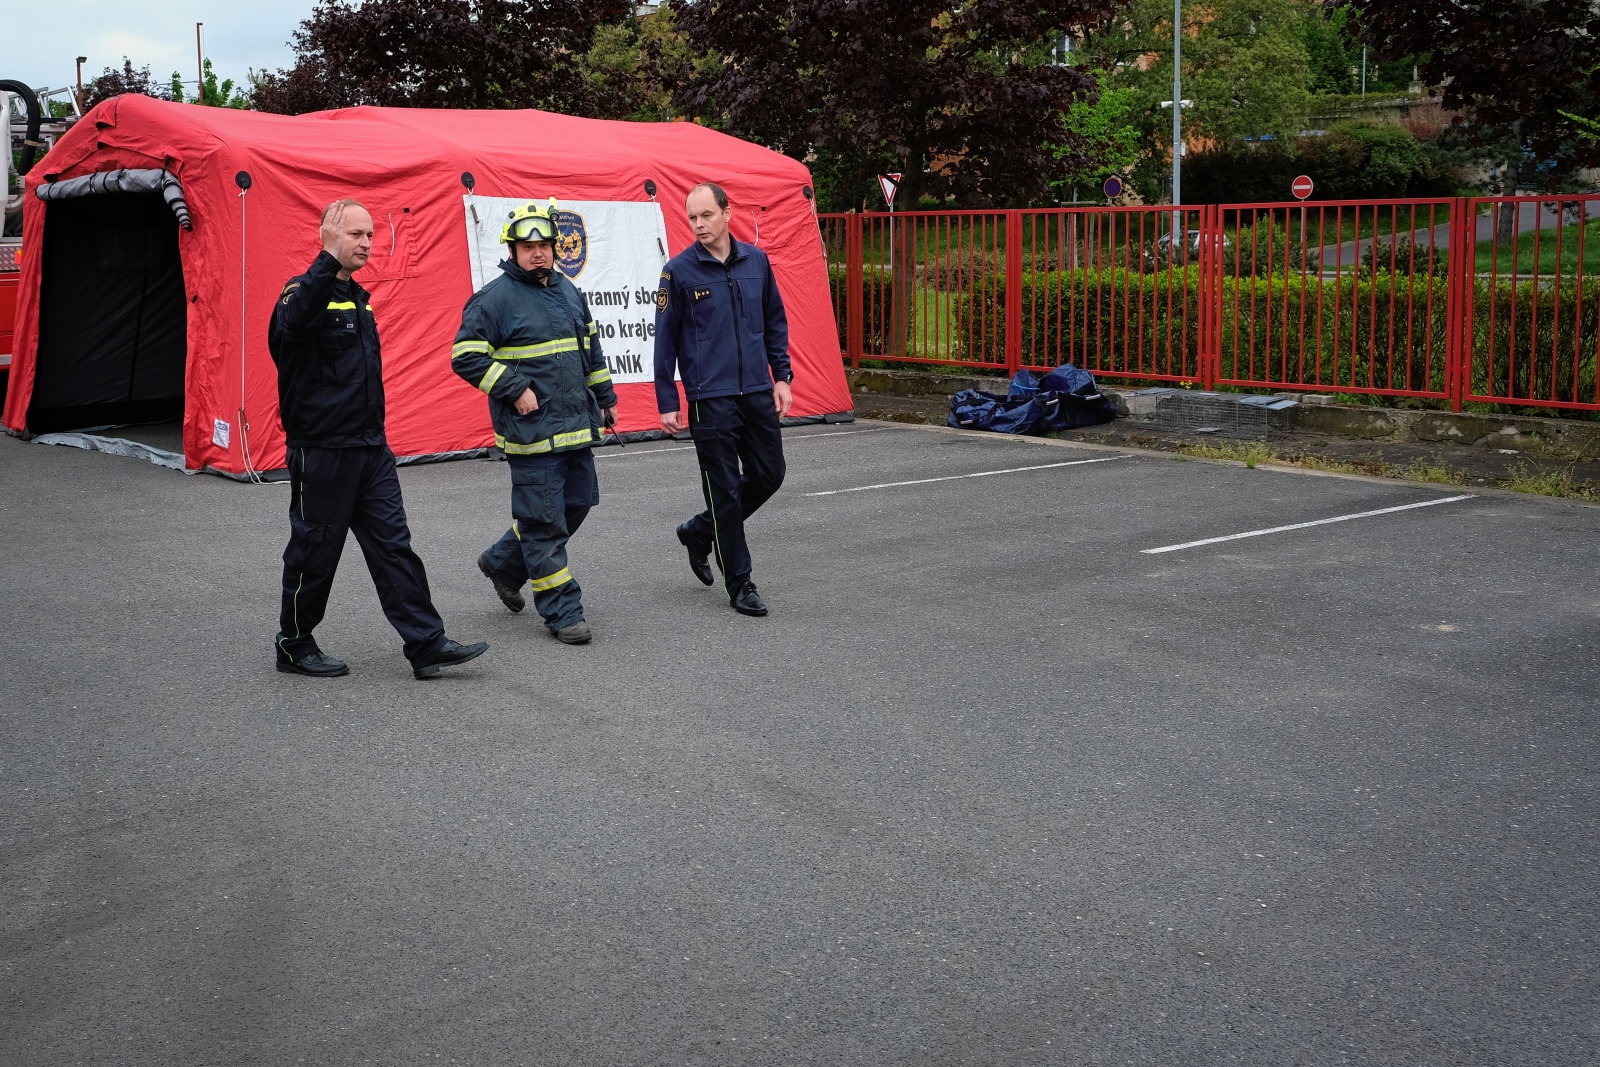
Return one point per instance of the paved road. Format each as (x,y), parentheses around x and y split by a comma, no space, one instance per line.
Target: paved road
(1530,217)
(990,786)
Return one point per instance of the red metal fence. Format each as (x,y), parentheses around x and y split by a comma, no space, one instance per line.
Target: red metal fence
(1482,300)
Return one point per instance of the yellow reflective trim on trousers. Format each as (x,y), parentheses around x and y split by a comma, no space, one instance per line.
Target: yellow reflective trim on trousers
(461,348)
(544,348)
(576,437)
(514,531)
(560,577)
(601,375)
(493,376)
(516,448)
(341,305)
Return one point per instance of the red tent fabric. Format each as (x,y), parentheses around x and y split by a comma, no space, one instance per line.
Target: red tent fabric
(406,166)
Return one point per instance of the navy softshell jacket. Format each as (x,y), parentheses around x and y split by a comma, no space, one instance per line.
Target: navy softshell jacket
(720,325)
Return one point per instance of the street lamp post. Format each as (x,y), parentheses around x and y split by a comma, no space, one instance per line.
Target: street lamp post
(81,61)
(1177,108)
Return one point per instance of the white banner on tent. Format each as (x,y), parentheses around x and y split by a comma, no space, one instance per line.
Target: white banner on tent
(612,250)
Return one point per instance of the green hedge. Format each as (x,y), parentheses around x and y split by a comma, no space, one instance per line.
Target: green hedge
(1536,341)
(939,329)
(1378,331)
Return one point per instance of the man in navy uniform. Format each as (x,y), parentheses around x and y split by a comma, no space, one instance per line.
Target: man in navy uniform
(342,478)
(528,341)
(720,322)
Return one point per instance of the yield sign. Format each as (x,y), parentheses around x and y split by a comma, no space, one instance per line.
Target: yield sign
(890,184)
(1301,187)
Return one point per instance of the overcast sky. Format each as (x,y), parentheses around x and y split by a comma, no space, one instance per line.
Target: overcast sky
(40,38)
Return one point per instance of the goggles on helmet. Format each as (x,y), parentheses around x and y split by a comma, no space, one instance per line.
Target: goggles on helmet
(530,223)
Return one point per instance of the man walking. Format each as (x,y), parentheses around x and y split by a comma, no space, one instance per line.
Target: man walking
(720,321)
(528,341)
(324,340)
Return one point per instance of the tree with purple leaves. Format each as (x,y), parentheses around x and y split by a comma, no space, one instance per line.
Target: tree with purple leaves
(1517,68)
(963,99)
(443,53)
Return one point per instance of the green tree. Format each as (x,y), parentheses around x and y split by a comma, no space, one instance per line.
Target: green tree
(1245,66)
(1330,52)
(212,93)
(635,62)
(1107,129)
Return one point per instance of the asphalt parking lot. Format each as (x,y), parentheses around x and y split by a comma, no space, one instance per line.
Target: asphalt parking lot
(993,784)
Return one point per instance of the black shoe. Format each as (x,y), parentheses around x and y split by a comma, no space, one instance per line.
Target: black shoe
(699,559)
(578,633)
(510,596)
(314,664)
(449,655)
(745,599)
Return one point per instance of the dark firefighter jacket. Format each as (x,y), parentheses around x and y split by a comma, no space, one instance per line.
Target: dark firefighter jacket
(330,369)
(517,334)
(720,325)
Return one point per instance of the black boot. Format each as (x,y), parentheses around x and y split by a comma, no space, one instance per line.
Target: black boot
(448,655)
(699,558)
(509,595)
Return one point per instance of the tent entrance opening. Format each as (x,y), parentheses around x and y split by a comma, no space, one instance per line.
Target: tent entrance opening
(112,321)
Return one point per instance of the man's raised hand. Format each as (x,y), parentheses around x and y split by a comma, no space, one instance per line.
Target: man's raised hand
(333,230)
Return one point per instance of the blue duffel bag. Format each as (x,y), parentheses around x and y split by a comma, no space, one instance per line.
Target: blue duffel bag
(973,409)
(1072,400)
(1018,416)
(1024,386)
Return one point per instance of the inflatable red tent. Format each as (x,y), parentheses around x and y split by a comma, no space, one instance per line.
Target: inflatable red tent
(157,236)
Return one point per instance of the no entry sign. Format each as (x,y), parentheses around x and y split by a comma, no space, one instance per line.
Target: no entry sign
(1301,187)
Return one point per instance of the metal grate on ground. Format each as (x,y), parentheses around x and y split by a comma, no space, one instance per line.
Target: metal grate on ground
(1232,415)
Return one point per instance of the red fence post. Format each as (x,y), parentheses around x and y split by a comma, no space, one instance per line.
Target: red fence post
(853,281)
(1013,292)
(1210,296)
(1458,309)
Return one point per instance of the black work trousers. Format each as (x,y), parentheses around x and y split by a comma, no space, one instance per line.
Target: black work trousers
(739,443)
(337,490)
(550,497)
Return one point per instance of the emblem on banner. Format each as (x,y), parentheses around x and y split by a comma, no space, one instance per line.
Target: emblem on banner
(572,243)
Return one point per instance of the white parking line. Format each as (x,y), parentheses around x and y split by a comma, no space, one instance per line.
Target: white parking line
(955,477)
(839,433)
(623,453)
(620,452)
(1303,525)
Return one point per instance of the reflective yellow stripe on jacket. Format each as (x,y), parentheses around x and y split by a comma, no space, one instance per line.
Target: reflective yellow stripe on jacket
(560,440)
(601,375)
(546,348)
(493,376)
